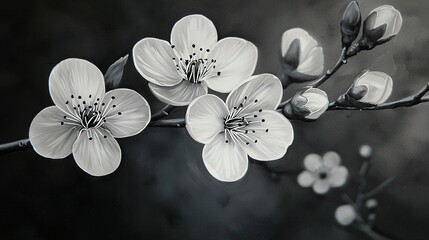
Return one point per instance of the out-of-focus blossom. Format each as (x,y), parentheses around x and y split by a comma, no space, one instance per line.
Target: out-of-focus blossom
(193,61)
(302,57)
(371,203)
(309,103)
(345,214)
(322,173)
(365,151)
(85,120)
(246,125)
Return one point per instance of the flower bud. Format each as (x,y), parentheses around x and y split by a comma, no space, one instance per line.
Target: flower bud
(350,24)
(302,57)
(371,204)
(365,151)
(370,88)
(309,103)
(345,214)
(381,25)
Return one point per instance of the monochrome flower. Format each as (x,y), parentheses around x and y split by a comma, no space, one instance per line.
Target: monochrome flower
(345,214)
(322,173)
(85,120)
(246,125)
(194,61)
(303,58)
(308,103)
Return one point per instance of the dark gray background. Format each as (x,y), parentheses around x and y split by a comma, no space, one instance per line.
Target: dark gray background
(161,189)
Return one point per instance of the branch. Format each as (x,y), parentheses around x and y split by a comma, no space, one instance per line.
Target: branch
(162,113)
(341,61)
(178,123)
(405,102)
(19,145)
(378,189)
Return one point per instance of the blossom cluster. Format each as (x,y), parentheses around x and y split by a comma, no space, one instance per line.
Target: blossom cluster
(252,121)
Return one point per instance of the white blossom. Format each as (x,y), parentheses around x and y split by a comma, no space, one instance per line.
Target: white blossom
(317,102)
(377,87)
(345,214)
(247,124)
(85,119)
(381,15)
(322,173)
(193,61)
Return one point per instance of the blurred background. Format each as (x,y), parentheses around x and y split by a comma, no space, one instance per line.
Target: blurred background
(161,189)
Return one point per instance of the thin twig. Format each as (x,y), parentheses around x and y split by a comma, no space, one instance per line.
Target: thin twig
(19,145)
(378,189)
(405,102)
(341,61)
(162,113)
(177,122)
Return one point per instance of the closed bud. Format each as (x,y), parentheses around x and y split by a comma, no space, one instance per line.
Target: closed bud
(345,214)
(371,204)
(309,103)
(302,57)
(381,25)
(350,24)
(370,88)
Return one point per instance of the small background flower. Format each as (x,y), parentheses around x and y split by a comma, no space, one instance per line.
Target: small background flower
(322,173)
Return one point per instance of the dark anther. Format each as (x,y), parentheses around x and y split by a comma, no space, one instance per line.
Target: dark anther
(95,104)
(260,110)
(113,106)
(84,102)
(193,45)
(90,138)
(194,54)
(113,97)
(201,49)
(74,108)
(263,120)
(90,107)
(90,96)
(218,73)
(246,131)
(174,58)
(102,104)
(104,120)
(323,175)
(256,141)
(266,130)
(245,97)
(79,97)
(226,141)
(172,46)
(105,136)
(67,102)
(247,143)
(256,100)
(255,115)
(65,117)
(62,123)
(119,113)
(207,50)
(78,105)
(253,131)
(98,99)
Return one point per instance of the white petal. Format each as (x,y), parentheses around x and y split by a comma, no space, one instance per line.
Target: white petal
(306,42)
(338,176)
(313,63)
(235,61)
(379,86)
(267,145)
(99,156)
(331,160)
(321,186)
(317,102)
(49,138)
(134,112)
(77,78)
(312,162)
(260,92)
(225,161)
(306,179)
(179,95)
(204,118)
(193,32)
(388,15)
(153,59)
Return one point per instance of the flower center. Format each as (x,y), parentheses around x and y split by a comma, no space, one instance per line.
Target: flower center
(323,175)
(196,66)
(85,112)
(244,126)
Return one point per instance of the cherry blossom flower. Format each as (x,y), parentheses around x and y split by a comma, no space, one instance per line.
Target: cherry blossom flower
(385,17)
(322,173)
(194,61)
(85,120)
(247,125)
(309,103)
